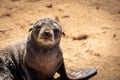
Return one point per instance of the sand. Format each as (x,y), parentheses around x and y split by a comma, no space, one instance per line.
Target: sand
(92,30)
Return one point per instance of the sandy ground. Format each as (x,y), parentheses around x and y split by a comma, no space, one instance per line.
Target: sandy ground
(92,30)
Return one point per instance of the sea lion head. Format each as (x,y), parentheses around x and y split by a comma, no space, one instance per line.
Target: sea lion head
(46,32)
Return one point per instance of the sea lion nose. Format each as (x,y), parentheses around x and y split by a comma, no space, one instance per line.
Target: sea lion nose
(46,32)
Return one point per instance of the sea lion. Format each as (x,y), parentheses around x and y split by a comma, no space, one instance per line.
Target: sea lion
(39,56)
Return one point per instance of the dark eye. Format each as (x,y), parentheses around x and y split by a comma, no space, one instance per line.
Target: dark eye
(56,31)
(38,27)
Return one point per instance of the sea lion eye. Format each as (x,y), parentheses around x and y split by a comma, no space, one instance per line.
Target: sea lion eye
(38,27)
(56,31)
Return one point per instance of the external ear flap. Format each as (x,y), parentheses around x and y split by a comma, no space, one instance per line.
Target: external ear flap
(30,29)
(63,33)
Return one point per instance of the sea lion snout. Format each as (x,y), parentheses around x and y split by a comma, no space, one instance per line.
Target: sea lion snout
(47,34)
(46,37)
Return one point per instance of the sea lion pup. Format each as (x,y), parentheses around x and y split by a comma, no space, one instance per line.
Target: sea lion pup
(39,56)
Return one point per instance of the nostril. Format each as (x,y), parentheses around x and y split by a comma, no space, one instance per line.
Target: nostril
(46,32)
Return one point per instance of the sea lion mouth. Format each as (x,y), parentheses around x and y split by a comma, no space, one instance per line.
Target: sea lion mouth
(46,41)
(46,38)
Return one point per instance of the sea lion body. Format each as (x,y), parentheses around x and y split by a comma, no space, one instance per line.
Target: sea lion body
(45,61)
(39,56)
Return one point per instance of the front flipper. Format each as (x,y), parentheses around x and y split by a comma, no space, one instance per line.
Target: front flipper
(82,74)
